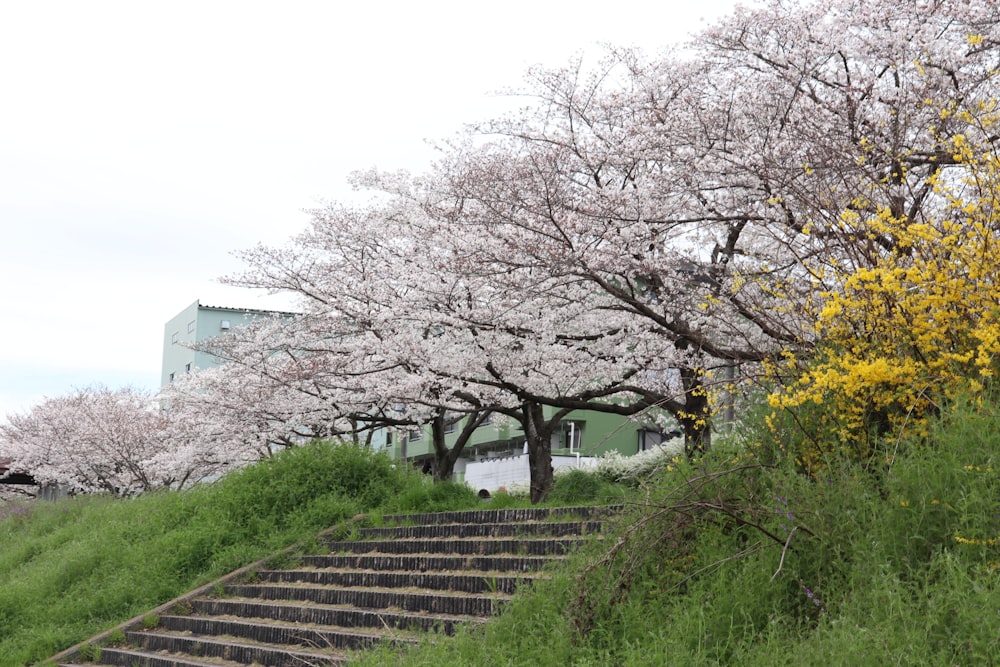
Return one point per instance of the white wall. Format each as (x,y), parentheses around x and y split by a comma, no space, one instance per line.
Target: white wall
(491,474)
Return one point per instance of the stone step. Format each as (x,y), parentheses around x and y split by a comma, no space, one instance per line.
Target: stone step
(326,615)
(374,598)
(478,547)
(277,632)
(519,515)
(467,583)
(123,657)
(244,651)
(428,563)
(488,530)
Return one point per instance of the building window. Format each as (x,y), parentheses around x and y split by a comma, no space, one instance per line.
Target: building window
(649,439)
(175,337)
(572,434)
(187,368)
(191,326)
(171,377)
(225,325)
(451,422)
(415,434)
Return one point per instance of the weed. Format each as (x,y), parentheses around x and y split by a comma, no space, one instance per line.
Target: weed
(347,531)
(750,562)
(150,621)
(90,653)
(182,608)
(580,486)
(423,495)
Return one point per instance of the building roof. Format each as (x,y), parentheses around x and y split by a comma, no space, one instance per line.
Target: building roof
(256,311)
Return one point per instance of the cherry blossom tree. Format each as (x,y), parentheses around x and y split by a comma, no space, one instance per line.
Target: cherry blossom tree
(97,440)
(351,349)
(286,381)
(513,214)
(439,328)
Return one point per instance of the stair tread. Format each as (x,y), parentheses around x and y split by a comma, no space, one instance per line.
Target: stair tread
(401,590)
(460,618)
(367,633)
(511,515)
(446,573)
(182,659)
(459,540)
(433,554)
(427,579)
(482,525)
(373,561)
(296,649)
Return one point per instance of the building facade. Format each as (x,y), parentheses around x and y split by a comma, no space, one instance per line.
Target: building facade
(197,323)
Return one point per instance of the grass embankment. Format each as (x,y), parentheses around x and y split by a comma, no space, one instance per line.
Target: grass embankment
(71,569)
(737,558)
(740,559)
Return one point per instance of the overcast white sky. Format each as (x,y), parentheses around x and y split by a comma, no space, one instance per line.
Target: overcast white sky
(141,143)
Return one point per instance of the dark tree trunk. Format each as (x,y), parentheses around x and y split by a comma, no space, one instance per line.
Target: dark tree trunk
(538,434)
(445,458)
(695,418)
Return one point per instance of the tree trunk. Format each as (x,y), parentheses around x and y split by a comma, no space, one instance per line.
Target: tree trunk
(443,467)
(696,416)
(445,458)
(538,434)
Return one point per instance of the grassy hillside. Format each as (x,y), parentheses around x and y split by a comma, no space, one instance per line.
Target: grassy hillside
(740,559)
(737,558)
(73,568)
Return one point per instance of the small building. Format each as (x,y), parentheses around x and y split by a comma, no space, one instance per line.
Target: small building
(21,479)
(15,477)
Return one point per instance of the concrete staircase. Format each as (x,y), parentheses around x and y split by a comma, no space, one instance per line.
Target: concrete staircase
(414,575)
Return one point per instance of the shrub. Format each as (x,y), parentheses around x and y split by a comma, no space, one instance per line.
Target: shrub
(292,488)
(633,470)
(901,331)
(421,494)
(581,486)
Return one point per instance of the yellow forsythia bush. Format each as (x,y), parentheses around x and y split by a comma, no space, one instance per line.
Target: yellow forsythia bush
(919,323)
